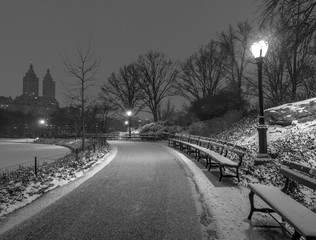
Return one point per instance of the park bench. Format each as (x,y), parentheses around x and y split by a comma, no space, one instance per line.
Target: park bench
(215,152)
(302,219)
(222,156)
(177,140)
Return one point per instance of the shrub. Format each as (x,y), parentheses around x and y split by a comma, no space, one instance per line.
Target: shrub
(217,105)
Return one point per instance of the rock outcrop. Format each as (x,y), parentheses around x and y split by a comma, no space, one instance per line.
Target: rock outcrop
(284,115)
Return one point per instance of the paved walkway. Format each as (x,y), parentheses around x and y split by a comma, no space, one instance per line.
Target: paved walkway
(144,193)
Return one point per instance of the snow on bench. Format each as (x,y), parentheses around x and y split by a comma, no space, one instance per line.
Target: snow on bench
(215,153)
(302,219)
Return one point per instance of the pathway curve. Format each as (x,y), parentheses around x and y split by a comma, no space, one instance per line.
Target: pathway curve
(144,193)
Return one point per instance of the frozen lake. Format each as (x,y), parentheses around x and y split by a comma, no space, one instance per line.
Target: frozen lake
(13,152)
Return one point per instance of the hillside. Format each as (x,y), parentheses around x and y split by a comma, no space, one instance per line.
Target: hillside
(293,140)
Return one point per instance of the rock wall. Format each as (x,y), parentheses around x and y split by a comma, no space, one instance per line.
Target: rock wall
(284,115)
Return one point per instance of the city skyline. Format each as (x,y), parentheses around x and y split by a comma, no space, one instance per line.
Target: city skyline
(31,99)
(39,32)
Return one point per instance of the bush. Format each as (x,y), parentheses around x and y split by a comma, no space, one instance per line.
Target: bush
(215,125)
(159,128)
(217,105)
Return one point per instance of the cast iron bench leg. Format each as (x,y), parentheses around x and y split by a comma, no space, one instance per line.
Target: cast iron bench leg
(210,162)
(207,161)
(199,156)
(237,174)
(197,153)
(220,168)
(251,194)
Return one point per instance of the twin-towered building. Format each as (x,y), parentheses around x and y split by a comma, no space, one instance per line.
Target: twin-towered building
(30,99)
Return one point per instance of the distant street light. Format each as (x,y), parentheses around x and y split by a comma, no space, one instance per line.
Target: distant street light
(259,50)
(129,114)
(42,122)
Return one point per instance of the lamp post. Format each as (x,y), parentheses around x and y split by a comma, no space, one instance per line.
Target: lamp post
(42,122)
(259,50)
(129,114)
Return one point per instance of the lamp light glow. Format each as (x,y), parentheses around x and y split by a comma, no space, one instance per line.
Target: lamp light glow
(259,49)
(129,113)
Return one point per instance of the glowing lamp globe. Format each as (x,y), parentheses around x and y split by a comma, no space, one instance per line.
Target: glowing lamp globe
(129,113)
(259,49)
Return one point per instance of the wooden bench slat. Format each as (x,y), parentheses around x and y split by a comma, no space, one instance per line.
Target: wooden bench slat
(301,218)
(299,177)
(296,166)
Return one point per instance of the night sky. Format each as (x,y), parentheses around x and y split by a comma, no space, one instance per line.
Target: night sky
(37,30)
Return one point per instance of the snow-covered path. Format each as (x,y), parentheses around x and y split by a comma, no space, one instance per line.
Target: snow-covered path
(144,193)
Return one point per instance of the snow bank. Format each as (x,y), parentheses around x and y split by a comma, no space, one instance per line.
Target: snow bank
(18,194)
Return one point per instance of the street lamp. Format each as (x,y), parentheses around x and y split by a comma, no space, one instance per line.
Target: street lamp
(259,50)
(129,114)
(42,122)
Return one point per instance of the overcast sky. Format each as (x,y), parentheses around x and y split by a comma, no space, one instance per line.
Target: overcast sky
(37,30)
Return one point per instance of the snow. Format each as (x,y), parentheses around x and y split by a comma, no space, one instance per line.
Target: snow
(18,140)
(21,196)
(23,152)
(293,106)
(228,206)
(226,203)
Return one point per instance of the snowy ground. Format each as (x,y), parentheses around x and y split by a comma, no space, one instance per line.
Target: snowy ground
(22,151)
(227,201)
(228,206)
(22,195)
(17,140)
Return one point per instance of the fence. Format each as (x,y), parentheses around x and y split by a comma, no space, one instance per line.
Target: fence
(133,136)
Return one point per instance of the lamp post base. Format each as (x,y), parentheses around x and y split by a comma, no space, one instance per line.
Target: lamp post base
(261,159)
(263,156)
(262,137)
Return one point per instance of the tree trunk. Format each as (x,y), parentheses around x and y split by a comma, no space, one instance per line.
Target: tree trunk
(82,115)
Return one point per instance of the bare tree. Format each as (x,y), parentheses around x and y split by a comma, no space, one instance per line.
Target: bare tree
(166,111)
(290,11)
(122,90)
(107,112)
(99,114)
(157,79)
(82,69)
(202,73)
(235,44)
(276,84)
(293,22)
